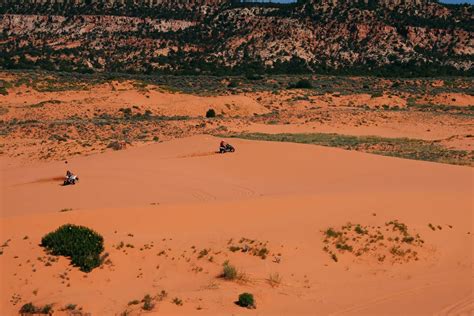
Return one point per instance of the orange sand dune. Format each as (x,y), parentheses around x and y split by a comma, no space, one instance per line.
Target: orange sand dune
(181,201)
(177,171)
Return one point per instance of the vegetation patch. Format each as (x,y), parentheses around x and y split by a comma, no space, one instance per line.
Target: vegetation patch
(31,309)
(393,242)
(251,247)
(148,303)
(451,109)
(407,148)
(246,300)
(229,271)
(300,84)
(43,103)
(116,145)
(81,244)
(177,301)
(211,113)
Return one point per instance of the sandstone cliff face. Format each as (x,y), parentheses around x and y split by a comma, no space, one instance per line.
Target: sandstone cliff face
(205,36)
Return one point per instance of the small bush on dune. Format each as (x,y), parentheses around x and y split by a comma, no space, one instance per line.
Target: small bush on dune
(274,279)
(81,244)
(70,307)
(29,309)
(115,145)
(210,113)
(230,272)
(300,84)
(148,304)
(178,301)
(246,300)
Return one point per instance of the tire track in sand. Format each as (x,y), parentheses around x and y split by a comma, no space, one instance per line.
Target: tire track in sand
(461,307)
(399,294)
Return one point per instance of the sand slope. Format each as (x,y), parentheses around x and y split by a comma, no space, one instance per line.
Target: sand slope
(179,197)
(189,170)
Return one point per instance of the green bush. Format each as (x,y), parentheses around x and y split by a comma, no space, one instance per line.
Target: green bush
(233,84)
(300,84)
(246,300)
(29,308)
(81,244)
(210,113)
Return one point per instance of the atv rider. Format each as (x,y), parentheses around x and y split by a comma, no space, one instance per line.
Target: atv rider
(225,147)
(70,178)
(222,146)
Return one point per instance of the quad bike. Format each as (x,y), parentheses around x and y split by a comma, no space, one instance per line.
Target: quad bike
(226,149)
(71,180)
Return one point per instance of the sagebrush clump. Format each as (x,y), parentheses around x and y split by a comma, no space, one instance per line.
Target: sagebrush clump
(81,244)
(229,271)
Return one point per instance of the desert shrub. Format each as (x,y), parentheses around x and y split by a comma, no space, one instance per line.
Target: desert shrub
(300,84)
(274,279)
(233,84)
(148,304)
(127,112)
(332,233)
(358,229)
(147,114)
(29,308)
(47,309)
(253,76)
(81,244)
(343,246)
(58,138)
(234,248)
(203,253)
(115,145)
(210,113)
(229,272)
(178,301)
(246,300)
(262,253)
(70,307)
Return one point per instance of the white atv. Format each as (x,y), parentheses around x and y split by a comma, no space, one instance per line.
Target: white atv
(72,179)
